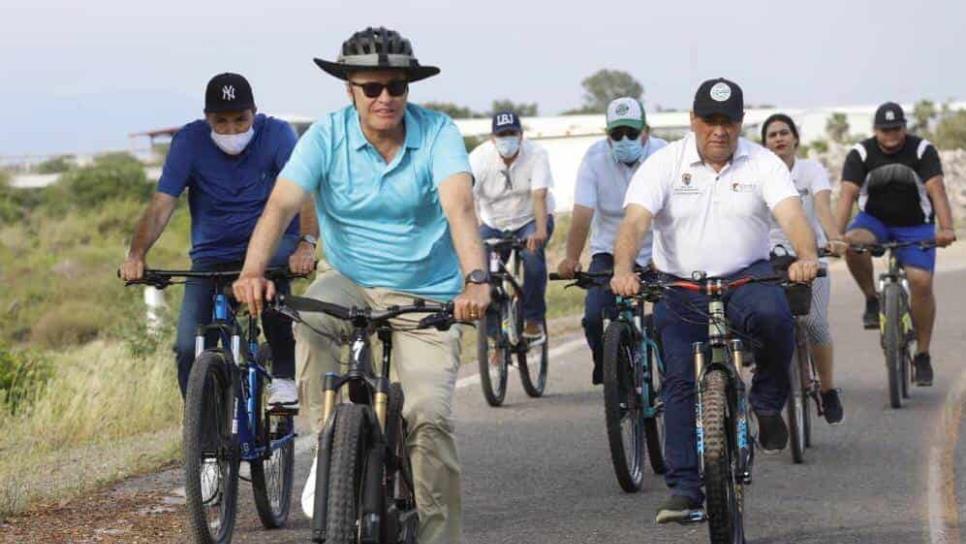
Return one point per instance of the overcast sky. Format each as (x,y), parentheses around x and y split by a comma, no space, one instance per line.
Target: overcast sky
(79,76)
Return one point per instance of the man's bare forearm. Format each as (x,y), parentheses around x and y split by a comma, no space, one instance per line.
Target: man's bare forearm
(823,209)
(151,224)
(940,202)
(579,228)
(843,211)
(540,209)
(637,220)
(791,217)
(456,198)
(308,221)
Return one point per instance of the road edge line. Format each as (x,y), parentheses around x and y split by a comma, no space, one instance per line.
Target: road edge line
(942,504)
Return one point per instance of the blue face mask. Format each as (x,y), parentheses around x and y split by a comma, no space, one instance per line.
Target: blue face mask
(626,150)
(507,146)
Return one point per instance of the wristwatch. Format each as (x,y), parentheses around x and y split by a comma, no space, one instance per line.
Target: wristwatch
(478,276)
(309,239)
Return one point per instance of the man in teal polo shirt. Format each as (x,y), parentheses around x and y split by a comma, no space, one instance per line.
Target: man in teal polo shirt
(394,198)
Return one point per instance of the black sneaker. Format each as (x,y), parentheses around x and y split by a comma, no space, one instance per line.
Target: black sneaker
(923,369)
(772,433)
(679,509)
(832,405)
(870,319)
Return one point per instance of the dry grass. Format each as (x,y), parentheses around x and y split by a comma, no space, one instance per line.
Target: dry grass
(102,416)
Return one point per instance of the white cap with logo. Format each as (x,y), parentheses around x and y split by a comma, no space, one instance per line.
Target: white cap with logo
(625,112)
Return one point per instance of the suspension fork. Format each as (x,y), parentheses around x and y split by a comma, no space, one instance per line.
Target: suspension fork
(381,397)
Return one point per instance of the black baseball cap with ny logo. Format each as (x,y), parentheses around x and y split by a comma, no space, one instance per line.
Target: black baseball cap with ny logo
(228,92)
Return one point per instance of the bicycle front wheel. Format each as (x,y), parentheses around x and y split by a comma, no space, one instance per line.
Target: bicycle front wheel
(210,450)
(724,494)
(493,357)
(347,466)
(533,365)
(623,412)
(893,343)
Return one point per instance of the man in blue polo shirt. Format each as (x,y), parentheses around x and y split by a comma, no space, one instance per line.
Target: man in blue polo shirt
(228,162)
(393,191)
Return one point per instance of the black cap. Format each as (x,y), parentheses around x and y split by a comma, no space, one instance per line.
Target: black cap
(719,96)
(504,121)
(889,115)
(228,92)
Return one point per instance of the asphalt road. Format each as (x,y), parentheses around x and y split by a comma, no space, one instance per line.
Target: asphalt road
(538,471)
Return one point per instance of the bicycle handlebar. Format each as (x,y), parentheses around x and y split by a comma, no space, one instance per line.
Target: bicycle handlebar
(441,318)
(161,279)
(506,242)
(878,249)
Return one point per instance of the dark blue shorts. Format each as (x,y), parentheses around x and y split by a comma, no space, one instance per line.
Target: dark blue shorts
(908,256)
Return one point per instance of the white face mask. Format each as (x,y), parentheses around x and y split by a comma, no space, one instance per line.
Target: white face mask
(507,146)
(233,144)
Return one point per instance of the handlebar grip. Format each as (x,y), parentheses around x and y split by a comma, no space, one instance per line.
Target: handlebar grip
(821,273)
(439,321)
(555,276)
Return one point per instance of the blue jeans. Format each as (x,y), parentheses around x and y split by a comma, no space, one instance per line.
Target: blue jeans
(757,310)
(534,269)
(599,304)
(196,309)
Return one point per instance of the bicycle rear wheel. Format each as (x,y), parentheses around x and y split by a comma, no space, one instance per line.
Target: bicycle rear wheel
(347,464)
(724,494)
(401,522)
(623,412)
(493,374)
(795,407)
(654,426)
(892,340)
(210,450)
(533,370)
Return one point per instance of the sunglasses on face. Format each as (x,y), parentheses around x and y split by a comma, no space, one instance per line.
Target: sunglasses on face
(373,89)
(619,133)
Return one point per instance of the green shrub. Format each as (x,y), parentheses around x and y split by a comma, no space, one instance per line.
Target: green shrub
(23,375)
(112,177)
(56,165)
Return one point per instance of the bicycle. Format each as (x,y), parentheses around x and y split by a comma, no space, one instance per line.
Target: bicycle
(227,419)
(896,331)
(805,386)
(364,489)
(632,371)
(723,434)
(503,325)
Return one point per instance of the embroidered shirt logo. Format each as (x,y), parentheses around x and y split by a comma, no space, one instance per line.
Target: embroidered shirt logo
(739,187)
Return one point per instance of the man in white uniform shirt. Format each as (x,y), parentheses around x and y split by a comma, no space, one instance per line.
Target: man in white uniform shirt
(512,186)
(602,180)
(711,197)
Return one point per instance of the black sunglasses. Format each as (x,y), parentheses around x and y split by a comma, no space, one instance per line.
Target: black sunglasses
(618,133)
(373,89)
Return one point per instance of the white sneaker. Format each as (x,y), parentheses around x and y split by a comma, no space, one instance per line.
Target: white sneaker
(308,492)
(284,392)
(210,478)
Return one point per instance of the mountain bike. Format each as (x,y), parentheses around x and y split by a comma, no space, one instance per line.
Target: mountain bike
(501,329)
(895,320)
(724,437)
(364,490)
(632,371)
(227,419)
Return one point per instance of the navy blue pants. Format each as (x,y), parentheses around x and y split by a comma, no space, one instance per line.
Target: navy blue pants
(534,269)
(599,304)
(196,309)
(758,310)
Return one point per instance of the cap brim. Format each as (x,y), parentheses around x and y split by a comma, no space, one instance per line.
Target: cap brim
(222,108)
(705,113)
(341,70)
(890,124)
(636,125)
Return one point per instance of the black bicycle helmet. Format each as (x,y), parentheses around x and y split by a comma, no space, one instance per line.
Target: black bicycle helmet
(375,48)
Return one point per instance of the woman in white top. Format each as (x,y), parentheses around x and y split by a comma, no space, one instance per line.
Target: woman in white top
(780,135)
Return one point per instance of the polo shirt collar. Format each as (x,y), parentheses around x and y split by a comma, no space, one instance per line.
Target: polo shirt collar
(357,140)
(691,150)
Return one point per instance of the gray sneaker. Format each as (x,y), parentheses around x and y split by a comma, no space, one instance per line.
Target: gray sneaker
(679,509)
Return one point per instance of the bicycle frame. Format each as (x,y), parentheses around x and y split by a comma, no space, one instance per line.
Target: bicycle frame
(895,274)
(245,374)
(504,280)
(631,311)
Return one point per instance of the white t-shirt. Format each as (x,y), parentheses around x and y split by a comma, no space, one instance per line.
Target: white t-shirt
(715,222)
(503,204)
(601,185)
(810,178)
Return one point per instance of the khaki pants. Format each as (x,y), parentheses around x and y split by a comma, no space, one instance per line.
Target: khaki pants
(425,362)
